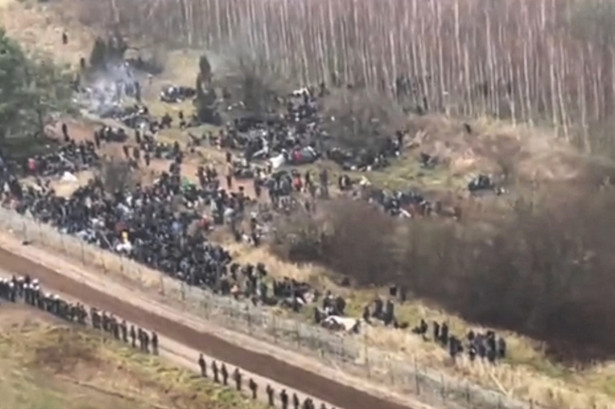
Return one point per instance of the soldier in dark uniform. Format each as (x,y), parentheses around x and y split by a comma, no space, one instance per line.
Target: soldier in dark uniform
(140,338)
(295,401)
(253,387)
(37,297)
(154,343)
(224,373)
(284,399)
(133,336)
(203,366)
(95,318)
(214,369)
(115,328)
(64,38)
(55,304)
(12,292)
(105,322)
(124,329)
(237,378)
(270,396)
(27,293)
(145,341)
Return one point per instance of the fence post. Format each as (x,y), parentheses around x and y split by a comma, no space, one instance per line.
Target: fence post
(416,377)
(366,352)
(205,307)
(140,273)
(442,386)
(275,329)
(467,392)
(24,231)
(249,316)
(101,254)
(297,323)
(161,284)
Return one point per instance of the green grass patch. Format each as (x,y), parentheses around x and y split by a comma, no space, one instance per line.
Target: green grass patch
(49,367)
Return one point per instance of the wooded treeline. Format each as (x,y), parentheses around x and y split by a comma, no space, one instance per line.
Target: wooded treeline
(534,61)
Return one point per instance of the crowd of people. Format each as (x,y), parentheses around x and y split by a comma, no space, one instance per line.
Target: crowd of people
(164,225)
(482,345)
(69,157)
(29,290)
(221,374)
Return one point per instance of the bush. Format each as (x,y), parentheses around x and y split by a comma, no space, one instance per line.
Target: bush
(545,272)
(360,242)
(252,79)
(299,237)
(360,119)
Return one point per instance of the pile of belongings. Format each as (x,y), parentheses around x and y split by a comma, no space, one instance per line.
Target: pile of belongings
(481,182)
(302,156)
(71,157)
(175,94)
(402,204)
(363,159)
(243,170)
(109,134)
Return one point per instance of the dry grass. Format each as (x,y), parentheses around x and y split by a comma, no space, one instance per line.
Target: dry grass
(527,373)
(39,28)
(49,366)
(532,157)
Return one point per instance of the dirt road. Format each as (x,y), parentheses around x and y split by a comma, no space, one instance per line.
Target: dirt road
(184,356)
(261,364)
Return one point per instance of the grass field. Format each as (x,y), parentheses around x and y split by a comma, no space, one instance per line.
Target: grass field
(47,365)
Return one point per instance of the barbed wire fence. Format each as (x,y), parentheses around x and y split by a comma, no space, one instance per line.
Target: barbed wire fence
(349,353)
